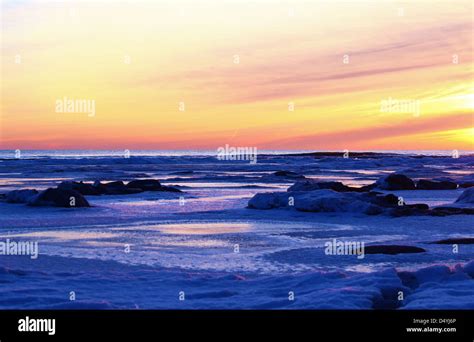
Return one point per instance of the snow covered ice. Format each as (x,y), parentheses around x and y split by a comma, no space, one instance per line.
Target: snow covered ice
(142,250)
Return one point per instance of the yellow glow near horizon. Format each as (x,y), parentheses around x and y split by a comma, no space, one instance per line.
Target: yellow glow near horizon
(266,74)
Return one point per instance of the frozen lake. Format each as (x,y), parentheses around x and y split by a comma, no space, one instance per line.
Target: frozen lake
(142,250)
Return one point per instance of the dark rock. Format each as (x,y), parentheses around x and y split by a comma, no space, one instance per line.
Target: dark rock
(419,206)
(466,185)
(335,186)
(170,188)
(408,279)
(392,201)
(409,210)
(82,188)
(133,187)
(20,196)
(452,241)
(368,187)
(311,185)
(306,185)
(116,188)
(388,298)
(145,184)
(396,182)
(392,249)
(151,185)
(59,198)
(446,211)
(424,184)
(114,184)
(386,201)
(289,174)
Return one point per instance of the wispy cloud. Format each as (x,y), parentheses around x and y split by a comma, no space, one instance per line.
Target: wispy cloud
(349,137)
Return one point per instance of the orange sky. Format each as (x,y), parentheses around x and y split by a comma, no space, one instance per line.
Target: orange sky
(238,67)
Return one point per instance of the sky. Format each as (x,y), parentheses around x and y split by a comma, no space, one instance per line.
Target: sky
(268,74)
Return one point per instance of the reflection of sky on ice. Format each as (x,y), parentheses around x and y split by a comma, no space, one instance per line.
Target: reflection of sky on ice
(250,246)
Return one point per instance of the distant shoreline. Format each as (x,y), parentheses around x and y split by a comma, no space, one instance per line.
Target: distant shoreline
(61,154)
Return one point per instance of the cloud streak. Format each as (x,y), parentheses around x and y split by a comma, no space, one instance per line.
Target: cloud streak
(412,126)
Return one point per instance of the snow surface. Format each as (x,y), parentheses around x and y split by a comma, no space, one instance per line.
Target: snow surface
(221,255)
